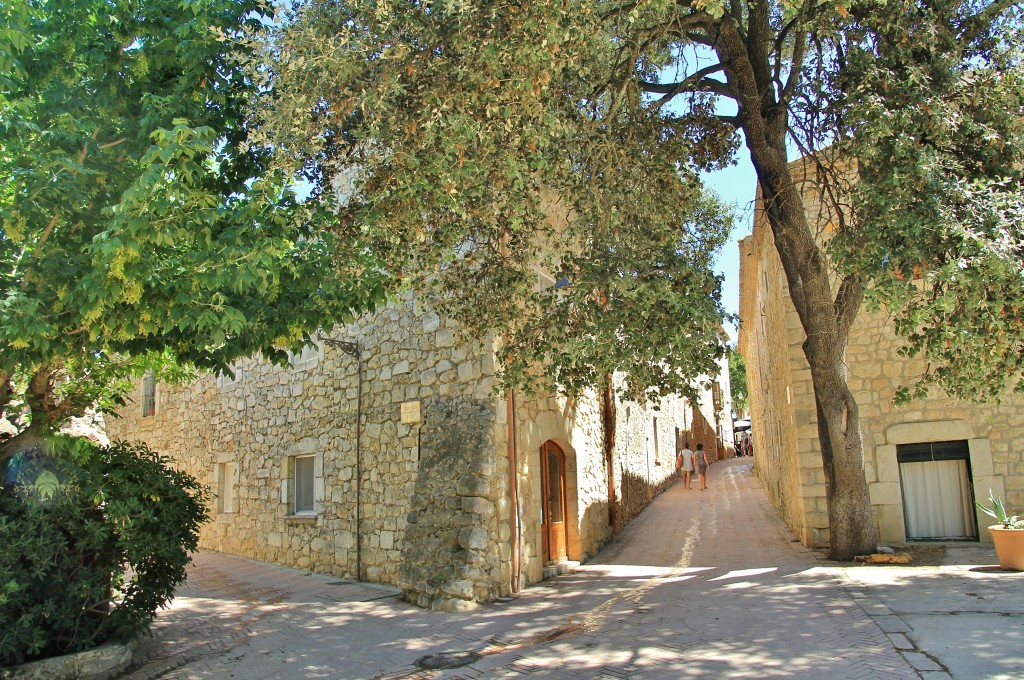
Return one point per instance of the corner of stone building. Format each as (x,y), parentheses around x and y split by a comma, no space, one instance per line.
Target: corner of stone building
(450,556)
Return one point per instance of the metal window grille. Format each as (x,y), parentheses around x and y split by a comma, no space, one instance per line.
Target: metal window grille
(304,484)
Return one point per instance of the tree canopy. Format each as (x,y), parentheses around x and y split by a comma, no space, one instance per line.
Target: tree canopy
(937,127)
(738,381)
(462,145)
(459,129)
(138,226)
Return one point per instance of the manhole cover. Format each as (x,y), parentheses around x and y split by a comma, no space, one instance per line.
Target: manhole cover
(433,662)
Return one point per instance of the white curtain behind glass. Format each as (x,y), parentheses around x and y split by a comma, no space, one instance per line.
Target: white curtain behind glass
(937,499)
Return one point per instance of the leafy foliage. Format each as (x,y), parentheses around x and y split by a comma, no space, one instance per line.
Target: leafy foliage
(137,225)
(465,149)
(95,542)
(940,214)
(471,139)
(738,380)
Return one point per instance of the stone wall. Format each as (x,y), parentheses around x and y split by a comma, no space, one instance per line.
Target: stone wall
(253,427)
(449,557)
(770,347)
(994,432)
(418,501)
(646,443)
(642,466)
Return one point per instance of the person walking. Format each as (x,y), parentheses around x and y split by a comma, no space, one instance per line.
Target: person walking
(686,464)
(701,459)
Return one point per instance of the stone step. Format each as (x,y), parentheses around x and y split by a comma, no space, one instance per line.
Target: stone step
(554,569)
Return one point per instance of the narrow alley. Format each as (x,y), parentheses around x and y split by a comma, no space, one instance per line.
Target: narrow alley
(701,584)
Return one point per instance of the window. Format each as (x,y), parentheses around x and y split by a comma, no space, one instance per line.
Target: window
(148,395)
(938,500)
(302,480)
(226,477)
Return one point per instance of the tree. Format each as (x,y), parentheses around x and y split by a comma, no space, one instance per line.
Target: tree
(453,123)
(96,540)
(139,230)
(738,380)
(467,179)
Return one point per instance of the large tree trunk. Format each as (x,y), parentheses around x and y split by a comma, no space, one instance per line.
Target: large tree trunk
(826,324)
(826,319)
(31,439)
(851,524)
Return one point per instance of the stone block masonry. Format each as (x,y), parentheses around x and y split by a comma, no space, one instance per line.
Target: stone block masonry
(369,478)
(391,464)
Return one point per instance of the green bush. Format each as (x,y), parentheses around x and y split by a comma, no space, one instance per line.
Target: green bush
(95,541)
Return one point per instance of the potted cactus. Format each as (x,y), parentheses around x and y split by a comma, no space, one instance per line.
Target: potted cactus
(1007,533)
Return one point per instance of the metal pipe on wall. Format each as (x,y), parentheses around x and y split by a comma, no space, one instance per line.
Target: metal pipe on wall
(513,490)
(352,350)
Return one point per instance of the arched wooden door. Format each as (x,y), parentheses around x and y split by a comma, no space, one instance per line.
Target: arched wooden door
(552,462)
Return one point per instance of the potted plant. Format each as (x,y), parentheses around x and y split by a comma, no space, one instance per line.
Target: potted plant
(1007,534)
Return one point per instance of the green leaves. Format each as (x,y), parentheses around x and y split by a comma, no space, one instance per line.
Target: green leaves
(738,380)
(69,545)
(136,218)
(940,234)
(472,147)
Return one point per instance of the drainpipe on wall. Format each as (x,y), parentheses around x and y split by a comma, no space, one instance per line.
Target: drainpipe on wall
(609,445)
(513,490)
(513,467)
(352,349)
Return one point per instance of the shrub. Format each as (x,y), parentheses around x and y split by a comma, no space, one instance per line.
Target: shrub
(95,541)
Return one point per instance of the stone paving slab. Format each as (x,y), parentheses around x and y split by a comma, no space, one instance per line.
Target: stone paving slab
(963,619)
(701,584)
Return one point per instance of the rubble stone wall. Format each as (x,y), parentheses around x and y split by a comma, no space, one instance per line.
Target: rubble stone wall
(259,422)
(420,502)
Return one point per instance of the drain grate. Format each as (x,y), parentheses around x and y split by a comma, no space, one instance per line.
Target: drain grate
(433,662)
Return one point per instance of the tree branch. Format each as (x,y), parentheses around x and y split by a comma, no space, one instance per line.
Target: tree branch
(736,11)
(5,391)
(972,26)
(111,145)
(46,235)
(699,38)
(696,82)
(38,392)
(799,52)
(848,301)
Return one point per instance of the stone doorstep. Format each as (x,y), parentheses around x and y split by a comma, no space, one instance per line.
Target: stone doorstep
(104,662)
(557,569)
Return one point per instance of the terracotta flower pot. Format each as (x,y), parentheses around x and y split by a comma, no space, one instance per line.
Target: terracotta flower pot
(1009,547)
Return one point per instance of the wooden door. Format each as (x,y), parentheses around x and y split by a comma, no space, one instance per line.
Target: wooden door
(553,502)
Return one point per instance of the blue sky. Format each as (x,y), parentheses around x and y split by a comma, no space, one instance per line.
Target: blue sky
(737,185)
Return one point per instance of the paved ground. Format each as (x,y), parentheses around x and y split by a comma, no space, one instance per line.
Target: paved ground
(702,584)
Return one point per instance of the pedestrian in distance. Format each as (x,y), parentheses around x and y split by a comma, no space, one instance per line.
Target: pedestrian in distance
(701,459)
(685,464)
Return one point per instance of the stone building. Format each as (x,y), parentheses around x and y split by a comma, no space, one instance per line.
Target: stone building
(925,462)
(382,454)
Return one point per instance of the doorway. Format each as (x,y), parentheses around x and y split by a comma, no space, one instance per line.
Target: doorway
(553,509)
(938,498)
